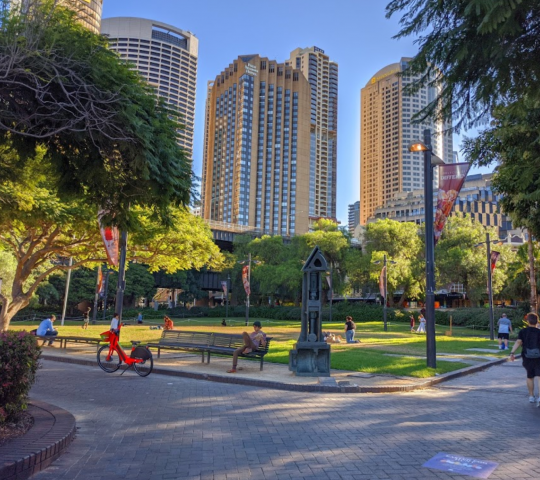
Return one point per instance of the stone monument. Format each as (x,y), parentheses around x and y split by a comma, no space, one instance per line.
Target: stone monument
(311,354)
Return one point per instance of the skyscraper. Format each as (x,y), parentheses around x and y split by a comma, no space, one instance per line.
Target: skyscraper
(322,75)
(88,11)
(386,165)
(166,57)
(354,216)
(256,169)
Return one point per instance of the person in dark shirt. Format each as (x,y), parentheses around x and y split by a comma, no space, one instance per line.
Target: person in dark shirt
(529,340)
(350,330)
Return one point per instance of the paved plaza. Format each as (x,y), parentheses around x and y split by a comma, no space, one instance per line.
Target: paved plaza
(163,427)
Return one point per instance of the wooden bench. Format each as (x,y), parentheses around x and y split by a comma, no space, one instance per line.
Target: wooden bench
(64,339)
(207,343)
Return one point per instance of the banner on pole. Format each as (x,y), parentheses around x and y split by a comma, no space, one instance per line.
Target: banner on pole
(381,283)
(245,279)
(99,283)
(451,179)
(224,286)
(111,240)
(494,257)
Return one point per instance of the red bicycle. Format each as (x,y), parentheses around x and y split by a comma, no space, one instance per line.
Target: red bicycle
(110,357)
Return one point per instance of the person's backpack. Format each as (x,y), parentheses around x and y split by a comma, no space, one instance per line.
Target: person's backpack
(532,350)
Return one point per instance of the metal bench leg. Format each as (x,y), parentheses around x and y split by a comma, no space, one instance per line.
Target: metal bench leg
(158,352)
(202,357)
(208,361)
(262,359)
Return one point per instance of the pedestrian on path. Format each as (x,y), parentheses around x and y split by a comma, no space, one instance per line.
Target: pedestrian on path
(529,340)
(411,318)
(505,329)
(86,318)
(421,324)
(350,330)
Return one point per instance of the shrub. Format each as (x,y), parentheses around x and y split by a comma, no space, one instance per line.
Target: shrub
(19,355)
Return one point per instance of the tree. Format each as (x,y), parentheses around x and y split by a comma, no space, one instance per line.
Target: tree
(512,142)
(107,136)
(477,51)
(401,243)
(37,228)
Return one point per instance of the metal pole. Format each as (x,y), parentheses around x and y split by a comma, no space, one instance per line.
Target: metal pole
(121,275)
(331,291)
(249,283)
(430,254)
(66,292)
(106,272)
(227,298)
(385,293)
(490,288)
(96,296)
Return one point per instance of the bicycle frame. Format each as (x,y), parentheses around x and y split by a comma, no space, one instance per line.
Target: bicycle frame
(114,346)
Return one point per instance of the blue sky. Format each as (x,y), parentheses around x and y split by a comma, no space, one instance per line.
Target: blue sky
(354,33)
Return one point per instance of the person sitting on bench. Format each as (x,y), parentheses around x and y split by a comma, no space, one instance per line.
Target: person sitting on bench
(251,342)
(46,329)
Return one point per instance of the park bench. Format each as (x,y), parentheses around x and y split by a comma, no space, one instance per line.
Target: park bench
(63,340)
(207,343)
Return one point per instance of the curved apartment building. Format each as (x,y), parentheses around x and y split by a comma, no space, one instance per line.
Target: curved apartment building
(166,57)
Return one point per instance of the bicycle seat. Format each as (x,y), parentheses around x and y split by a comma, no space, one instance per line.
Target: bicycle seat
(134,343)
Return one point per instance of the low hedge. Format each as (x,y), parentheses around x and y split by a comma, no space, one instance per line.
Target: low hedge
(19,356)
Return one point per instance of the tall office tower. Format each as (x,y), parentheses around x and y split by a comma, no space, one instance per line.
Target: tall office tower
(88,11)
(256,147)
(386,165)
(166,57)
(322,75)
(354,216)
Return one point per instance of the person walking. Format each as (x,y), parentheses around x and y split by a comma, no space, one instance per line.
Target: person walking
(505,329)
(46,329)
(421,324)
(411,318)
(350,330)
(139,318)
(529,341)
(86,318)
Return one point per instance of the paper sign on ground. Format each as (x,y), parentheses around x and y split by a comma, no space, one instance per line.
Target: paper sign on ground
(463,465)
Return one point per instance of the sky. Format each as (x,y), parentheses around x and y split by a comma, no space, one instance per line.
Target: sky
(354,33)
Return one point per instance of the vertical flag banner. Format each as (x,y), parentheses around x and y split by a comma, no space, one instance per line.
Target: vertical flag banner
(451,179)
(99,283)
(328,281)
(494,257)
(224,286)
(111,240)
(381,283)
(245,279)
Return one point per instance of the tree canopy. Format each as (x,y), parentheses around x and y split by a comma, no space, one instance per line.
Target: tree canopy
(107,136)
(479,52)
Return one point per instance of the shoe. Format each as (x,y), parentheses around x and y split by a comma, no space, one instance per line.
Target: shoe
(532,399)
(232,370)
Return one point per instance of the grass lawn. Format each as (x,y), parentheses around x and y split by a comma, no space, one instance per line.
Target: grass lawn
(367,356)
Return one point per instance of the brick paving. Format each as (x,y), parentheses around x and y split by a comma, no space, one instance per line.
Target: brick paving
(163,427)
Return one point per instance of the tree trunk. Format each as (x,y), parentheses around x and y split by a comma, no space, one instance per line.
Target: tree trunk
(532,274)
(402,299)
(10,309)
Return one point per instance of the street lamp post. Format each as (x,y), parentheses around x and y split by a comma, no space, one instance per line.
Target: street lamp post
(425,147)
(489,285)
(227,296)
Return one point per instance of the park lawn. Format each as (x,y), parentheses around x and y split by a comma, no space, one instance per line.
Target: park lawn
(367,356)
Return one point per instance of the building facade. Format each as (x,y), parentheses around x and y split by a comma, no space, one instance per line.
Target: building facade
(386,165)
(257,147)
(166,57)
(354,216)
(322,75)
(476,199)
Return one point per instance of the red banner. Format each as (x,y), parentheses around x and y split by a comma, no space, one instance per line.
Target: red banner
(451,178)
(382,283)
(99,284)
(111,239)
(245,279)
(494,257)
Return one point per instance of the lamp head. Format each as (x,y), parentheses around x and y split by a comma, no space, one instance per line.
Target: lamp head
(418,146)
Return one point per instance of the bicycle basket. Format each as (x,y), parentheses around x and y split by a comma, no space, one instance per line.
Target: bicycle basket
(106,336)
(141,352)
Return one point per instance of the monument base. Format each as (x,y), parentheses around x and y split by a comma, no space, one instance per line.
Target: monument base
(310,359)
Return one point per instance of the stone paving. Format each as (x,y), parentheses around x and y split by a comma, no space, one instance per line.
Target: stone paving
(163,427)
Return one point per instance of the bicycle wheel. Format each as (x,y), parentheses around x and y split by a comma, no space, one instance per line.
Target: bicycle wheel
(108,365)
(145,368)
